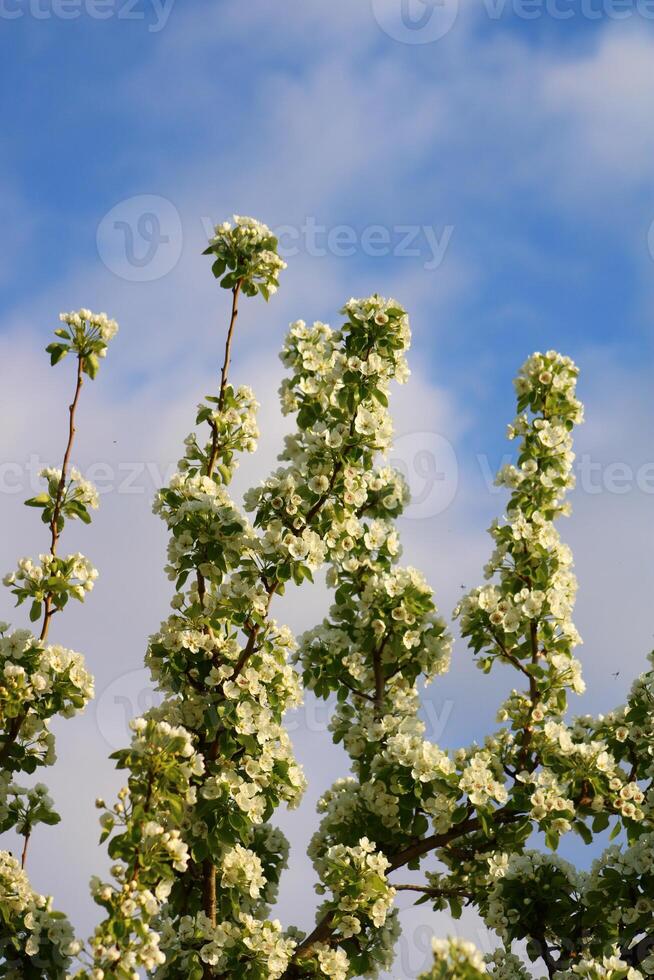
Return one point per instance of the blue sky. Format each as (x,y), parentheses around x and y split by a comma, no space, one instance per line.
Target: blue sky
(518,156)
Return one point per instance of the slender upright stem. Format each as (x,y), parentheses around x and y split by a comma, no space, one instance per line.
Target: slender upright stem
(14,730)
(23,858)
(61,489)
(228,343)
(215,448)
(208,867)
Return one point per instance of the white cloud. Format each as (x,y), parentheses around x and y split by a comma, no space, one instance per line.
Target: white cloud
(602,101)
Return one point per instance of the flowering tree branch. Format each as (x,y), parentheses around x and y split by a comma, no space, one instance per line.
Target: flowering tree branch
(40,681)
(196,860)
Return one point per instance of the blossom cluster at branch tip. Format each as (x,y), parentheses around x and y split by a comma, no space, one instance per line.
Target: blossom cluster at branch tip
(245,253)
(86,335)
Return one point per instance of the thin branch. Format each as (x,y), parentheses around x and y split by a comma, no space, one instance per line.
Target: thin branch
(215,448)
(434,892)
(23,857)
(357,693)
(48,611)
(510,656)
(56,513)
(228,343)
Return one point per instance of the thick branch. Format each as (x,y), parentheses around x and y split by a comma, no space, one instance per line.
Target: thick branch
(380,680)
(323,930)
(11,736)
(534,696)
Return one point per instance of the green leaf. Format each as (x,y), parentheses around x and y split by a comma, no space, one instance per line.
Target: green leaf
(35,611)
(42,500)
(600,823)
(584,832)
(50,817)
(91,365)
(616,830)
(56,352)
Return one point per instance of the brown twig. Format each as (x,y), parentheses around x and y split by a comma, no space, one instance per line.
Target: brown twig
(56,512)
(23,857)
(14,729)
(215,448)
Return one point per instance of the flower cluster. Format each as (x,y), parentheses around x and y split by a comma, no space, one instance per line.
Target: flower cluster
(52,577)
(481,780)
(22,808)
(245,253)
(38,681)
(232,420)
(525,618)
(360,892)
(86,335)
(244,947)
(207,531)
(71,498)
(35,936)
(146,844)
(455,958)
